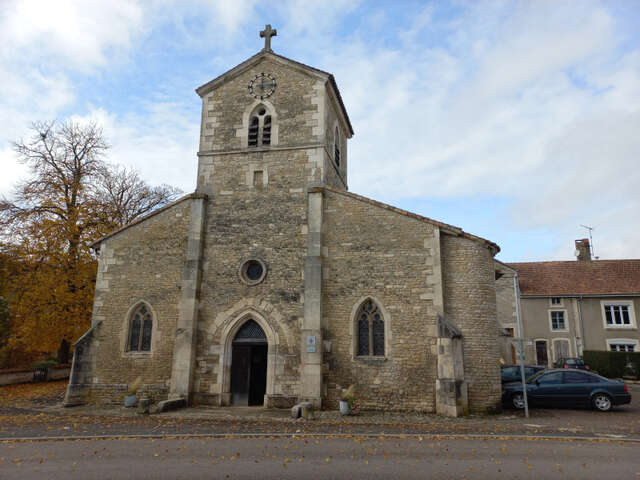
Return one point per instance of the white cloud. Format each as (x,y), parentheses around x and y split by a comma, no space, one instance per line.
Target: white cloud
(534,102)
(77,32)
(303,18)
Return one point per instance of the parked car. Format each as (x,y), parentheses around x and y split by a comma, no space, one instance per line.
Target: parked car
(511,373)
(576,363)
(567,388)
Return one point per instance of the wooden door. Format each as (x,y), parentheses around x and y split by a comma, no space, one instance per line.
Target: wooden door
(541,352)
(258,375)
(240,374)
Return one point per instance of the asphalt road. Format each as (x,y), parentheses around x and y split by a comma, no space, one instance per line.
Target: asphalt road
(325,458)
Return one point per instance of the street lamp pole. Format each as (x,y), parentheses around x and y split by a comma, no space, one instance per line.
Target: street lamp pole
(516,291)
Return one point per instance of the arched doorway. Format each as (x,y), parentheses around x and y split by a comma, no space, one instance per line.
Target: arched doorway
(249,365)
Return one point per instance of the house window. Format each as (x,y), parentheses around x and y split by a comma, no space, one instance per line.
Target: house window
(259,128)
(140,327)
(617,315)
(370,328)
(336,147)
(623,345)
(558,321)
(556,301)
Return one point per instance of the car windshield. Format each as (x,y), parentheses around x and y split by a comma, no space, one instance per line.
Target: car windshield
(533,377)
(575,361)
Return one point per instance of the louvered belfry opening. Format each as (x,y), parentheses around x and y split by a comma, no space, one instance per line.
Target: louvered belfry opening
(260,128)
(266,131)
(254,126)
(249,365)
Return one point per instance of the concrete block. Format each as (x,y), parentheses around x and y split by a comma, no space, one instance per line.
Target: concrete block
(170,404)
(296,410)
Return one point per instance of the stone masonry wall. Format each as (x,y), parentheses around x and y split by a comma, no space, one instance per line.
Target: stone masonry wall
(335,175)
(470,304)
(300,120)
(506,313)
(293,101)
(505,301)
(142,263)
(263,221)
(371,251)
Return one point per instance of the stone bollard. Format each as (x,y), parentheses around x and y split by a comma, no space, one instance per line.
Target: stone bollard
(144,404)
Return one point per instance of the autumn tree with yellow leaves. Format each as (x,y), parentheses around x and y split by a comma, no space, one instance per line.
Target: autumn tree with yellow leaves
(72,197)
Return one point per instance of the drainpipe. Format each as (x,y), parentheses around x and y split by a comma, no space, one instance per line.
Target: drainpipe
(516,291)
(583,341)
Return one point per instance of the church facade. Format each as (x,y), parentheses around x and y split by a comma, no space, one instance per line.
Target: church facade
(272,283)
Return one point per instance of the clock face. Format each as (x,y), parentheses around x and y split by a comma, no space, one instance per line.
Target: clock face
(262,86)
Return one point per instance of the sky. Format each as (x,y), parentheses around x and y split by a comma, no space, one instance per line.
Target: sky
(516,121)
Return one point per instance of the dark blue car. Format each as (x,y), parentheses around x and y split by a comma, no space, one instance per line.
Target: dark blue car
(567,388)
(511,373)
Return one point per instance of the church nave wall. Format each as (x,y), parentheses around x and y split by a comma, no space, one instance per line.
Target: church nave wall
(142,263)
(375,252)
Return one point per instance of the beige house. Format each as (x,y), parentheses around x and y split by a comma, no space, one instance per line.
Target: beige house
(272,283)
(569,307)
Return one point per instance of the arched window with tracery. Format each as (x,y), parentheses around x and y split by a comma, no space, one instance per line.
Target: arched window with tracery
(370,328)
(336,146)
(259,128)
(140,329)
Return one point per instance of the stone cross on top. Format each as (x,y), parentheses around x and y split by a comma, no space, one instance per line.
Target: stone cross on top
(267,33)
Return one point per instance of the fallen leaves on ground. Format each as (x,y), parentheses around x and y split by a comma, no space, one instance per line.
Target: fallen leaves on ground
(16,395)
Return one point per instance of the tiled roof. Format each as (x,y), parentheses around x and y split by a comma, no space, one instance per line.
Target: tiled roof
(451,229)
(597,277)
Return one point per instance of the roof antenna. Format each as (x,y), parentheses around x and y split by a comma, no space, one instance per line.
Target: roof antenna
(593,254)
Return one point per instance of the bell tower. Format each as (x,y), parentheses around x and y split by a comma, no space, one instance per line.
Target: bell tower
(272,123)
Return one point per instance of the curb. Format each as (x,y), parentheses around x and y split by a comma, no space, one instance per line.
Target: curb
(428,436)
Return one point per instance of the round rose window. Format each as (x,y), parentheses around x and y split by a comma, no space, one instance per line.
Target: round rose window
(253,271)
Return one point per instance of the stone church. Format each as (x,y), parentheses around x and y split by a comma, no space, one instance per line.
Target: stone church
(272,283)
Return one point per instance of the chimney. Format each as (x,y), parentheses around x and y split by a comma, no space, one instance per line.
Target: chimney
(583,250)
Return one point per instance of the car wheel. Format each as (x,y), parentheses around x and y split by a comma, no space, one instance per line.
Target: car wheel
(517,400)
(602,402)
